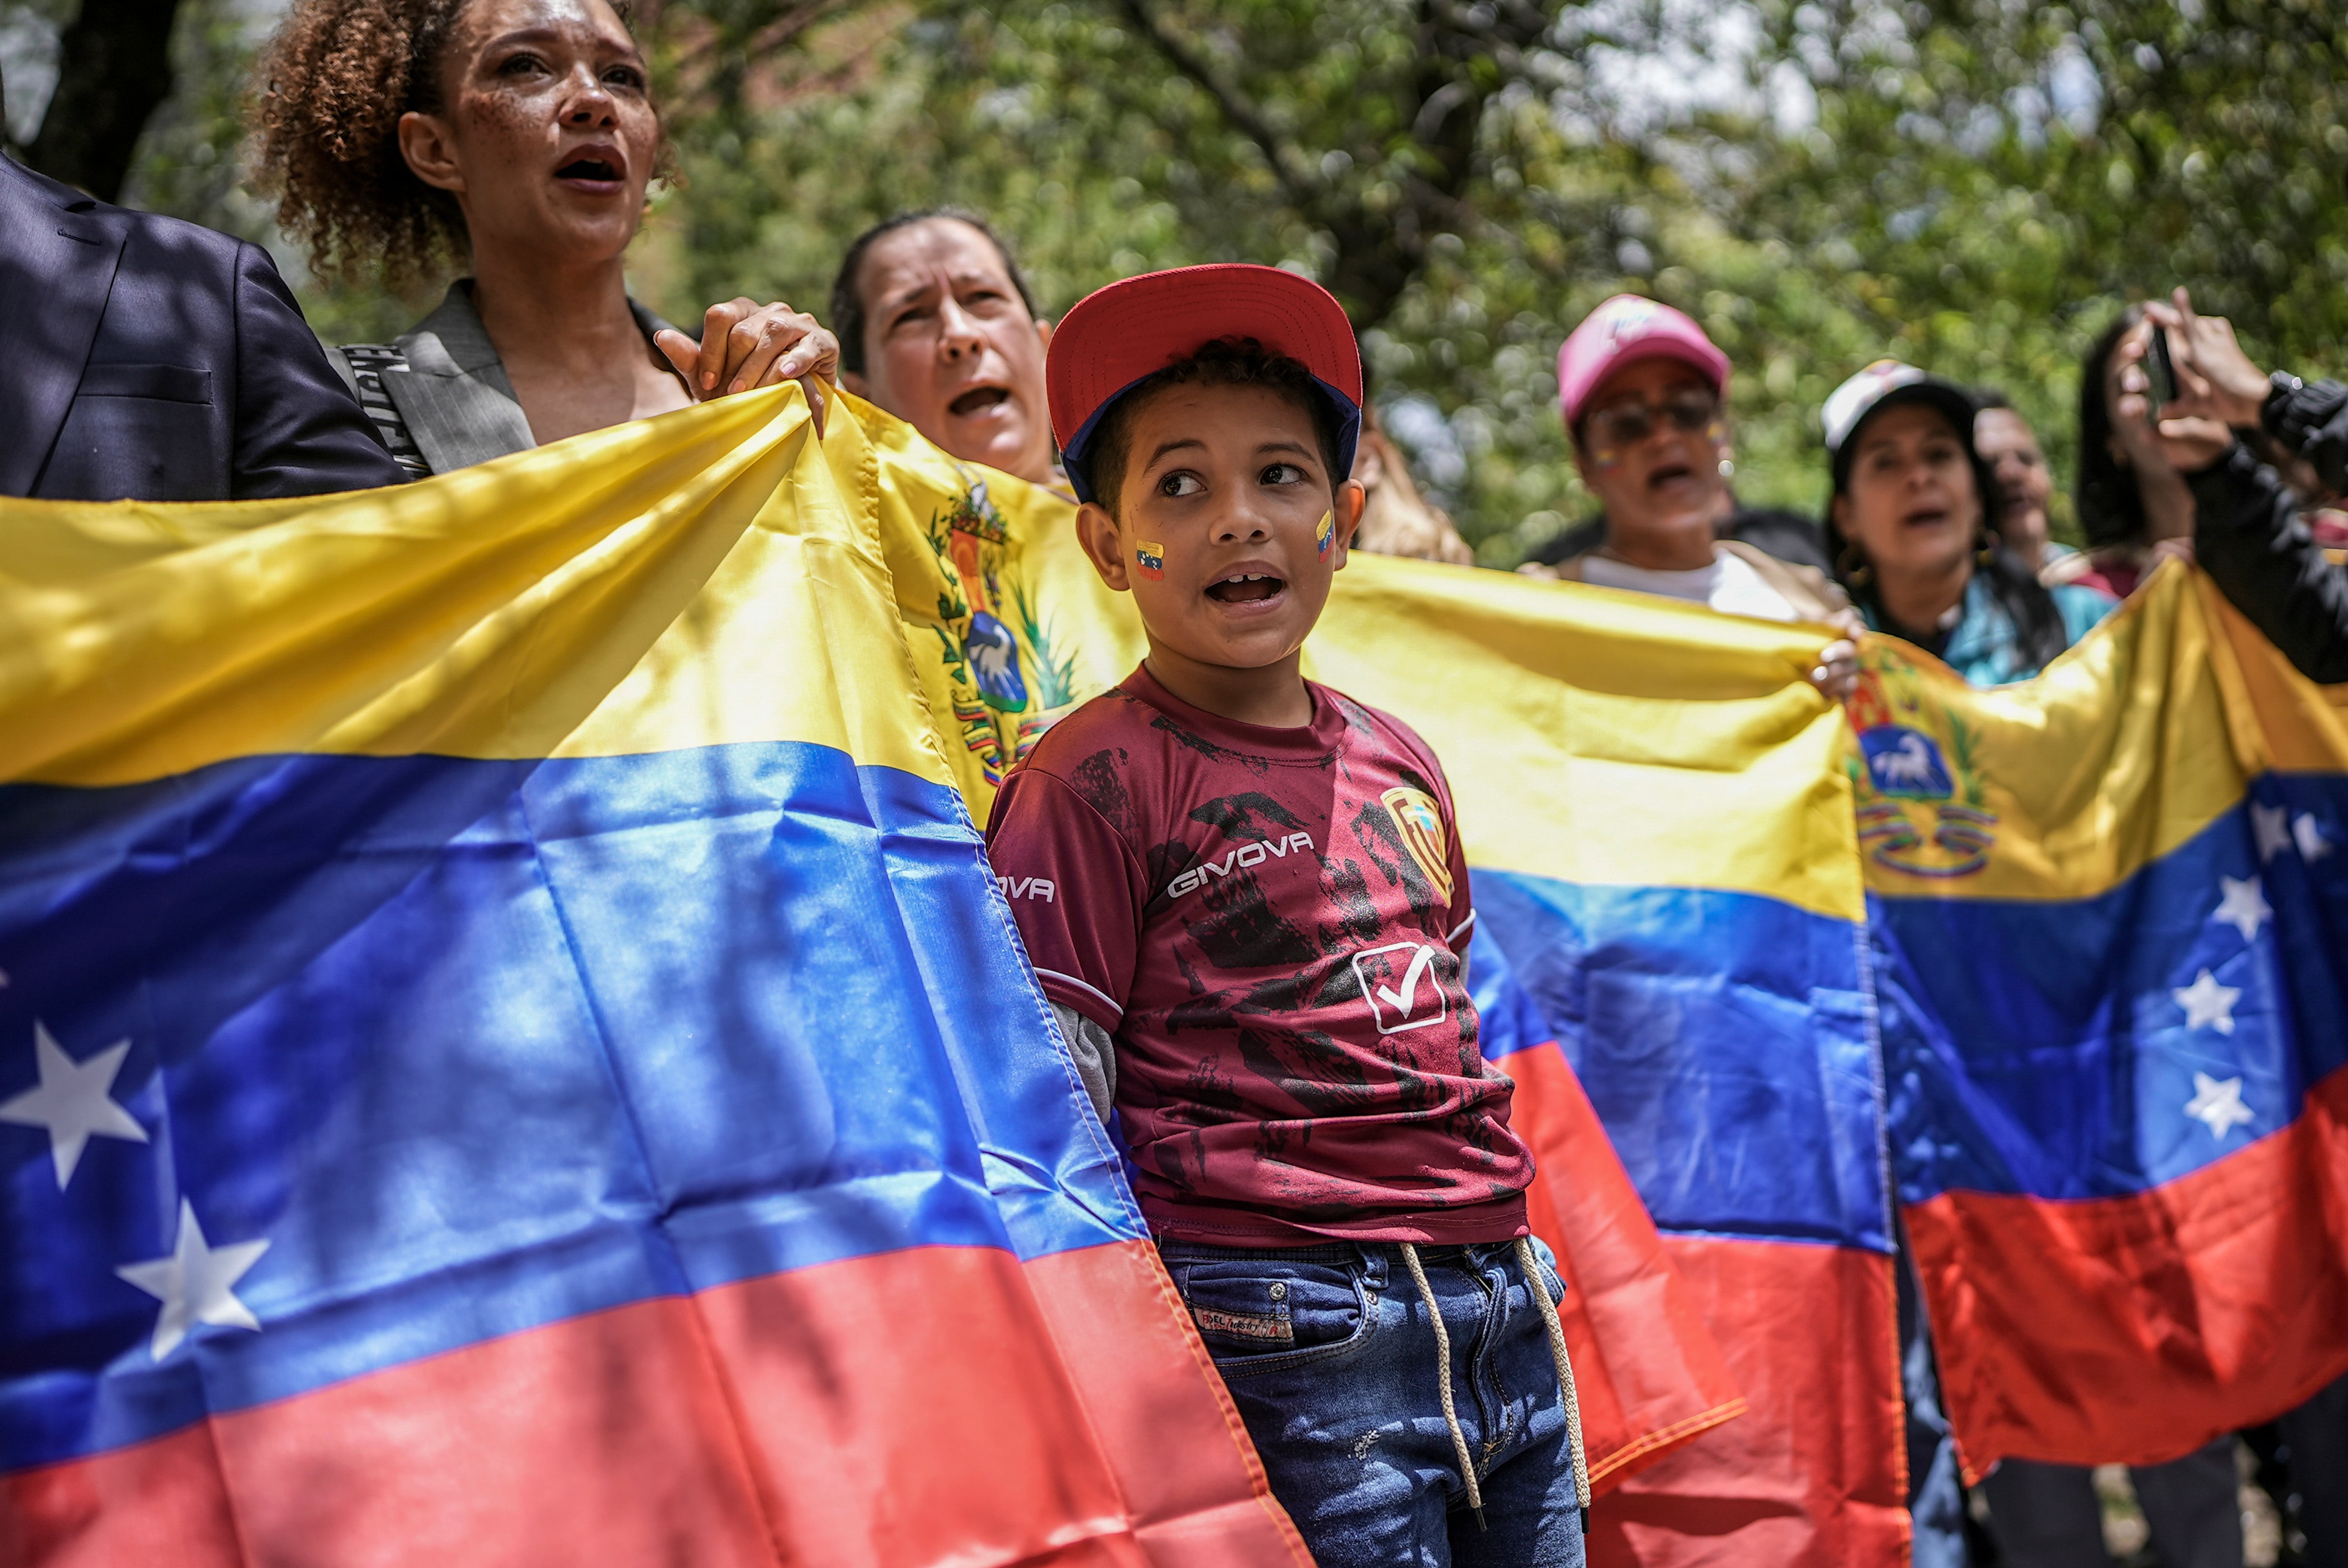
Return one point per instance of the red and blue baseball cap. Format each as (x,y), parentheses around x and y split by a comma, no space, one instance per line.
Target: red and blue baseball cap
(1624,331)
(1117,337)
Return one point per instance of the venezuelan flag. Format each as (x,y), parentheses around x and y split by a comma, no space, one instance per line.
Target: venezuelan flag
(510,1053)
(2111,921)
(1009,626)
(1663,855)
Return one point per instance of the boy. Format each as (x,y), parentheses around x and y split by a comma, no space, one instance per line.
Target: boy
(1247,902)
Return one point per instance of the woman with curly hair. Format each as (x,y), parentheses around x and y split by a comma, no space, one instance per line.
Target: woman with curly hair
(519,136)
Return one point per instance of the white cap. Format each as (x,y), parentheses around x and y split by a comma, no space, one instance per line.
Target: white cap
(1889,381)
(1846,404)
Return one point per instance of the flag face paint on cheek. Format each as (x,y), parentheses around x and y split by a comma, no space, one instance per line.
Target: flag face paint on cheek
(1325,533)
(1150,559)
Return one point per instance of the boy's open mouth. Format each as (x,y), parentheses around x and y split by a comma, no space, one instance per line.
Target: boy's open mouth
(1245,588)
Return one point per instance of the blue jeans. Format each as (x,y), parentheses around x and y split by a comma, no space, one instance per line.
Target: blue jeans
(1330,1358)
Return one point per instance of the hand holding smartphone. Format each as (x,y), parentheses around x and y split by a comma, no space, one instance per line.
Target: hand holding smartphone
(2160,377)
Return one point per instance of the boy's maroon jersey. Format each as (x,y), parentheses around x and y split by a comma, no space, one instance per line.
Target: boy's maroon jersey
(1269,923)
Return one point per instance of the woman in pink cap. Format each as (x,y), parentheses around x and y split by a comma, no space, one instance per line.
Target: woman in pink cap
(1641,387)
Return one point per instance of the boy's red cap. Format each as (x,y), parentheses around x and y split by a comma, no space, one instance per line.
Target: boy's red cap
(1131,330)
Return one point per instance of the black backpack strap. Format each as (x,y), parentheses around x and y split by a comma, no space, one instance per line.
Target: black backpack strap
(369,363)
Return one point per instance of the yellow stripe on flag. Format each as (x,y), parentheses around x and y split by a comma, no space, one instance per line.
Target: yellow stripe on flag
(704,578)
(1606,738)
(2128,747)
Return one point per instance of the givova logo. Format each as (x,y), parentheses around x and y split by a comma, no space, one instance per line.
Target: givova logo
(1191,881)
(1027,888)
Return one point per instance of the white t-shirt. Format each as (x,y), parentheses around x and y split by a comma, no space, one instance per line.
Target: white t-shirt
(1728,584)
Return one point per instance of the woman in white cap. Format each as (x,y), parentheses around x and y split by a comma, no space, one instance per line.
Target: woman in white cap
(1913,529)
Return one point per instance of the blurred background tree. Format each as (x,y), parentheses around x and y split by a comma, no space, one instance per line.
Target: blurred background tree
(1973,185)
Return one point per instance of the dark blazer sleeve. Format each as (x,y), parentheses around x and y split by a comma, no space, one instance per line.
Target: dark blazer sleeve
(298,430)
(2249,536)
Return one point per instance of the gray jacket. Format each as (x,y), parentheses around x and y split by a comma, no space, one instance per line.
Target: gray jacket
(438,394)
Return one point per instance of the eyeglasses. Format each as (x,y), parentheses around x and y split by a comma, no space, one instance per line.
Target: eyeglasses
(1621,425)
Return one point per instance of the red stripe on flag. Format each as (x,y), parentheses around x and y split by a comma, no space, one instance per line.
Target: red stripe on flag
(2132,1330)
(1816,1472)
(1180,1449)
(1647,1372)
(600,1439)
(906,1408)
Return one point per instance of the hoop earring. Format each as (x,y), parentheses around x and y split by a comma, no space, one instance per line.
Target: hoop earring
(1727,468)
(1852,566)
(1991,542)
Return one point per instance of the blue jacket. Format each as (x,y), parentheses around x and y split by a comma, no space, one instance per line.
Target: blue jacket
(144,358)
(1982,645)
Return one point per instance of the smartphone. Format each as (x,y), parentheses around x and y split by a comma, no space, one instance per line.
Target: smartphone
(2159,375)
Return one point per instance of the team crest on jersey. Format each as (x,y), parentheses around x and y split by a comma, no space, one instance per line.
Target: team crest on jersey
(1421,822)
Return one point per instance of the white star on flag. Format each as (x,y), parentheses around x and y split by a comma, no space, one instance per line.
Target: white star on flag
(2243,906)
(2309,835)
(195,1284)
(2217,1104)
(2206,1001)
(74,1102)
(2271,825)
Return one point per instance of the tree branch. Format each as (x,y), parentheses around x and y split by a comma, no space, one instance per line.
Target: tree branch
(1289,165)
(114,71)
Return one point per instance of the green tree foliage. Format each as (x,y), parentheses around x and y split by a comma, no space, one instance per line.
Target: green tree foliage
(1985,182)
(1973,185)
(1412,154)
(1976,186)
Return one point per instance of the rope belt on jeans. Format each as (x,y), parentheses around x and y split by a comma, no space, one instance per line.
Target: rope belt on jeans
(1530,1264)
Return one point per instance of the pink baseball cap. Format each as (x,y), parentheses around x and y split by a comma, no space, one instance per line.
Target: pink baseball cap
(1624,331)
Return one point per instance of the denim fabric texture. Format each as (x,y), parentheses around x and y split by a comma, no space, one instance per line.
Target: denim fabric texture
(1329,1353)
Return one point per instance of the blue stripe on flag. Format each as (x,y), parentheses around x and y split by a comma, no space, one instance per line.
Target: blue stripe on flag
(1723,1039)
(476,1046)
(1507,1021)
(2061,1050)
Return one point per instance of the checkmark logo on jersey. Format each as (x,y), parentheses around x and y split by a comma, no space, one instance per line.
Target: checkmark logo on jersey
(1401,1001)
(1398,983)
